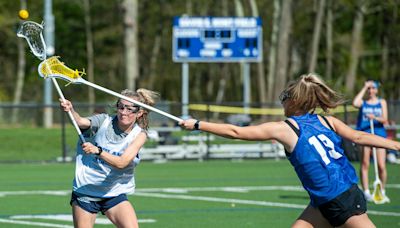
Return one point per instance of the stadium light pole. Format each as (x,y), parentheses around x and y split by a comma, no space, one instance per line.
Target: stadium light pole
(49,39)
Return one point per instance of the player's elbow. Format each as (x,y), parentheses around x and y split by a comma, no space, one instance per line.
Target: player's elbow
(233,133)
(121,164)
(356,104)
(358,138)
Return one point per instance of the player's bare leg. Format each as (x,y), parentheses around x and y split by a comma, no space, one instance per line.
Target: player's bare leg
(381,157)
(123,215)
(358,221)
(82,218)
(365,163)
(311,217)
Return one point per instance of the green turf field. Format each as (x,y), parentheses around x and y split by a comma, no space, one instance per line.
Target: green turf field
(222,193)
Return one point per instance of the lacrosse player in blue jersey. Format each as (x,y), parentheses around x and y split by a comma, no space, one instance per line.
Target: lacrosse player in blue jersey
(372,108)
(313,146)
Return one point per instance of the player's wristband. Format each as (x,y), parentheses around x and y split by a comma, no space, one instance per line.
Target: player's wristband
(100,151)
(196,125)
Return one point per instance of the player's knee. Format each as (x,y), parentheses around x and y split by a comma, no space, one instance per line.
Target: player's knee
(365,167)
(382,169)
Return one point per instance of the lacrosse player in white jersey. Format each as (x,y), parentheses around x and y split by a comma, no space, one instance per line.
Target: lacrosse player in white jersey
(105,163)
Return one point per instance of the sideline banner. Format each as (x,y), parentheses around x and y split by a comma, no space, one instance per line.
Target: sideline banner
(257,111)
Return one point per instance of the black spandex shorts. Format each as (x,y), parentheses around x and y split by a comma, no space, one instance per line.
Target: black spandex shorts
(349,203)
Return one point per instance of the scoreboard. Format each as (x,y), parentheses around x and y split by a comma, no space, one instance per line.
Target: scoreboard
(217,39)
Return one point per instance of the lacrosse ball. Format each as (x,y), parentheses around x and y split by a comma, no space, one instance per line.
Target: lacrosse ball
(23,14)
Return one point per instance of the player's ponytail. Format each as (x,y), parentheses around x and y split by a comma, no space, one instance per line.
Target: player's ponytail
(148,97)
(310,92)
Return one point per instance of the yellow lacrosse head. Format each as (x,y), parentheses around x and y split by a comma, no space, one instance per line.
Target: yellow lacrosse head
(53,67)
(377,195)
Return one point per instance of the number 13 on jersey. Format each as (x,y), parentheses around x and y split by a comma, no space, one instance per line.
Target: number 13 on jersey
(321,150)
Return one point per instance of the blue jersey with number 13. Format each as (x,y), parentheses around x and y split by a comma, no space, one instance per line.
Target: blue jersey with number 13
(319,161)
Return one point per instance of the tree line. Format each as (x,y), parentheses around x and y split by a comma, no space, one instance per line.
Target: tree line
(128,44)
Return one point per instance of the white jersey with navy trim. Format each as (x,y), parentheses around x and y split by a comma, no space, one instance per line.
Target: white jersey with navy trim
(94,177)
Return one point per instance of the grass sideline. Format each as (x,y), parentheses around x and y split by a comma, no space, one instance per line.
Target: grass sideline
(164,194)
(35,144)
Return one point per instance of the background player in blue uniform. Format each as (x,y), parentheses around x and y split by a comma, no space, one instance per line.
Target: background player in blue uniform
(313,146)
(374,108)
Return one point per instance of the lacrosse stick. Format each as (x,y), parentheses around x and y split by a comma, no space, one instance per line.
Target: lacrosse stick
(377,195)
(32,32)
(54,68)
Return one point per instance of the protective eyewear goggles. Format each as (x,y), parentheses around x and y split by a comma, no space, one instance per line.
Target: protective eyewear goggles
(129,108)
(284,96)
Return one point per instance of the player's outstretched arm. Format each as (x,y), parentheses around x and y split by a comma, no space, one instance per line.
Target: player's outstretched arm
(363,138)
(263,131)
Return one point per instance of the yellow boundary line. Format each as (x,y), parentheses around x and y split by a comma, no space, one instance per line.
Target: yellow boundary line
(256,111)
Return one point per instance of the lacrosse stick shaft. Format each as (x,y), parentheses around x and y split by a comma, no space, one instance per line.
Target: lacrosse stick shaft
(371,122)
(32,32)
(71,117)
(131,100)
(60,93)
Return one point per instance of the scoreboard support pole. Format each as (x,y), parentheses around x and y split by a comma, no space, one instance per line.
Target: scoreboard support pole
(185,90)
(246,86)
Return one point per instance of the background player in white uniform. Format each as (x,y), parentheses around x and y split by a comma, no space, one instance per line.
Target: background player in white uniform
(313,147)
(105,163)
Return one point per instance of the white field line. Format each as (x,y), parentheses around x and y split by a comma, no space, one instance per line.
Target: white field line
(240,189)
(60,217)
(68,218)
(248,202)
(243,189)
(37,192)
(392,185)
(221,200)
(157,192)
(40,224)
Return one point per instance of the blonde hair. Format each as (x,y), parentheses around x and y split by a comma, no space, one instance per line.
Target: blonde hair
(145,96)
(310,92)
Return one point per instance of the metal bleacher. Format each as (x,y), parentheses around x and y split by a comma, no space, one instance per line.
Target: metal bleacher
(199,147)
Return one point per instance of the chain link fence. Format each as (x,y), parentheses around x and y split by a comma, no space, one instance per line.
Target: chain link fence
(166,139)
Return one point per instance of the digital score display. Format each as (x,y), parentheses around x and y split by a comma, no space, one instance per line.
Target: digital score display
(217,39)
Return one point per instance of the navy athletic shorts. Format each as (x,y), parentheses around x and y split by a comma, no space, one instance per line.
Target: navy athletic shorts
(349,203)
(95,205)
